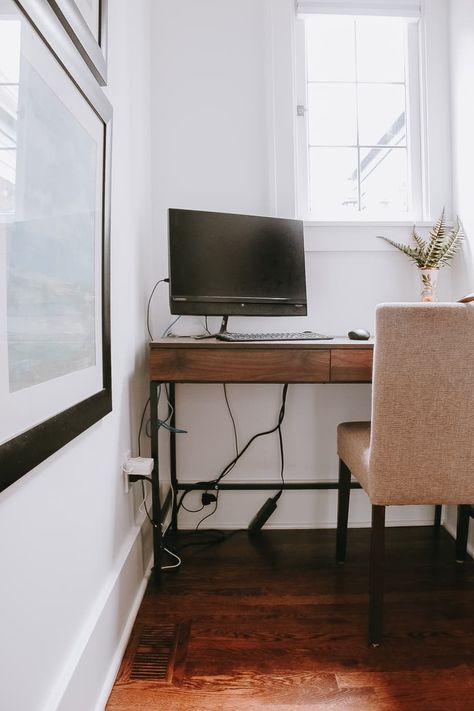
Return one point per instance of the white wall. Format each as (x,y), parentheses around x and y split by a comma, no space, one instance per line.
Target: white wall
(72,559)
(462,72)
(224,142)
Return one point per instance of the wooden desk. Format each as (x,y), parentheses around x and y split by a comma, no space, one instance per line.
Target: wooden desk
(186,360)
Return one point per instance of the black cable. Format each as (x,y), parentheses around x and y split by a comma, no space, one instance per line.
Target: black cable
(141,426)
(213,484)
(211,513)
(281,415)
(280,441)
(191,510)
(149,304)
(236,441)
(206,326)
(163,423)
(205,539)
(142,479)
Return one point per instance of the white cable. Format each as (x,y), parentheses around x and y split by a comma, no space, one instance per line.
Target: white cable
(176,565)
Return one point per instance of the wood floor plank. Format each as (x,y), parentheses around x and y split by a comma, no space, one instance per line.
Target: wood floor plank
(276,624)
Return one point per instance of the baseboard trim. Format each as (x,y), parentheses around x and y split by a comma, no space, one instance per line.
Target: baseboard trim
(118,656)
(305,525)
(97,613)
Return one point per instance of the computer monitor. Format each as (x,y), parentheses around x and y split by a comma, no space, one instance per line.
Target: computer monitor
(226,265)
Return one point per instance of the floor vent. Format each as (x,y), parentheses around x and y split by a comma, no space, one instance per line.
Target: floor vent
(157,654)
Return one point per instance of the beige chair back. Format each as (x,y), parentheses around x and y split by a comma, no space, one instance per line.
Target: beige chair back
(422,436)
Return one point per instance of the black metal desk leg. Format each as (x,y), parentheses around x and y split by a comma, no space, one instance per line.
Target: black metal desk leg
(173,477)
(155,477)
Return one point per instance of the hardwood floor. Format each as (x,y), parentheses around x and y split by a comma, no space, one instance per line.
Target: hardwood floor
(275,624)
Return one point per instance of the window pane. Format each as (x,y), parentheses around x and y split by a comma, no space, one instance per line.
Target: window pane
(332,114)
(330,44)
(10,31)
(382,119)
(7,185)
(381,50)
(384,180)
(333,180)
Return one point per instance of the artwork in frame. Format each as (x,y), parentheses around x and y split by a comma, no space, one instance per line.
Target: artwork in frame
(55,133)
(85,21)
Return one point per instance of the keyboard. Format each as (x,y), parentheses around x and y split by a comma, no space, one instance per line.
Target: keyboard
(302,336)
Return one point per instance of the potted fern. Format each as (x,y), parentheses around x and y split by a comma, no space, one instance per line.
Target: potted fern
(431,254)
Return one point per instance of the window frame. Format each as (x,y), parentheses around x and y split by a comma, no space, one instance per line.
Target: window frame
(414,95)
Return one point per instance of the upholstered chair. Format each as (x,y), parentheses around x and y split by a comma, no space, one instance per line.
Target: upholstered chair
(419,446)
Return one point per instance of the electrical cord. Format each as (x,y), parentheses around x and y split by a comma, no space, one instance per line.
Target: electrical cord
(148,515)
(236,443)
(167,550)
(213,484)
(192,510)
(203,539)
(160,281)
(166,332)
(280,441)
(232,463)
(211,513)
(231,415)
(141,426)
(178,559)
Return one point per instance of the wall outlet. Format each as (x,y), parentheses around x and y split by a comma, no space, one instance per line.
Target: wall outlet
(139,467)
(134,467)
(126,470)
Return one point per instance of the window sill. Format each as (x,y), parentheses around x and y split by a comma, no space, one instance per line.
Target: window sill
(357,236)
(365,223)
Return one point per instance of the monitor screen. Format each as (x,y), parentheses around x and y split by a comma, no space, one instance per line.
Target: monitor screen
(223,264)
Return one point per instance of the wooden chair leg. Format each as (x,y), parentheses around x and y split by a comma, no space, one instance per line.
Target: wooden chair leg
(437,516)
(462,531)
(343,496)
(377,554)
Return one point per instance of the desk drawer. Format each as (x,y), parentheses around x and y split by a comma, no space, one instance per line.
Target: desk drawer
(264,365)
(351,365)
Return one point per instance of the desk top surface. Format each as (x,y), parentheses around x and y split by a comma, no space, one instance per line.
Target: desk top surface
(213,343)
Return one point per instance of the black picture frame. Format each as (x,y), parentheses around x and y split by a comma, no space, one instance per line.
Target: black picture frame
(28,449)
(93,49)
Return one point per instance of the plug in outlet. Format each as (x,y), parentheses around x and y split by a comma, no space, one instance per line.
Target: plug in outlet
(126,470)
(139,468)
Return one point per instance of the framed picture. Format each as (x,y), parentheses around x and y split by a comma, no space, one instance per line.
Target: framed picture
(85,21)
(55,133)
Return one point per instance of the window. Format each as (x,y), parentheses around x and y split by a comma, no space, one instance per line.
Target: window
(358,118)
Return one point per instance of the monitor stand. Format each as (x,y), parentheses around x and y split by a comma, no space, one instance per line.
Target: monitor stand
(223,329)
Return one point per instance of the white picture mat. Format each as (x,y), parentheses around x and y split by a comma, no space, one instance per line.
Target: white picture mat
(21,410)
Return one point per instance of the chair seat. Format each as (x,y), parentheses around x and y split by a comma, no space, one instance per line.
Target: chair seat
(353,447)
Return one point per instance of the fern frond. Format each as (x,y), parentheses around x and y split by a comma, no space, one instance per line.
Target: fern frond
(436,242)
(411,252)
(452,245)
(435,252)
(422,245)
(439,228)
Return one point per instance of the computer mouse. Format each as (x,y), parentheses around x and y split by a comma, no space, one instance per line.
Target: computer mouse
(359,334)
